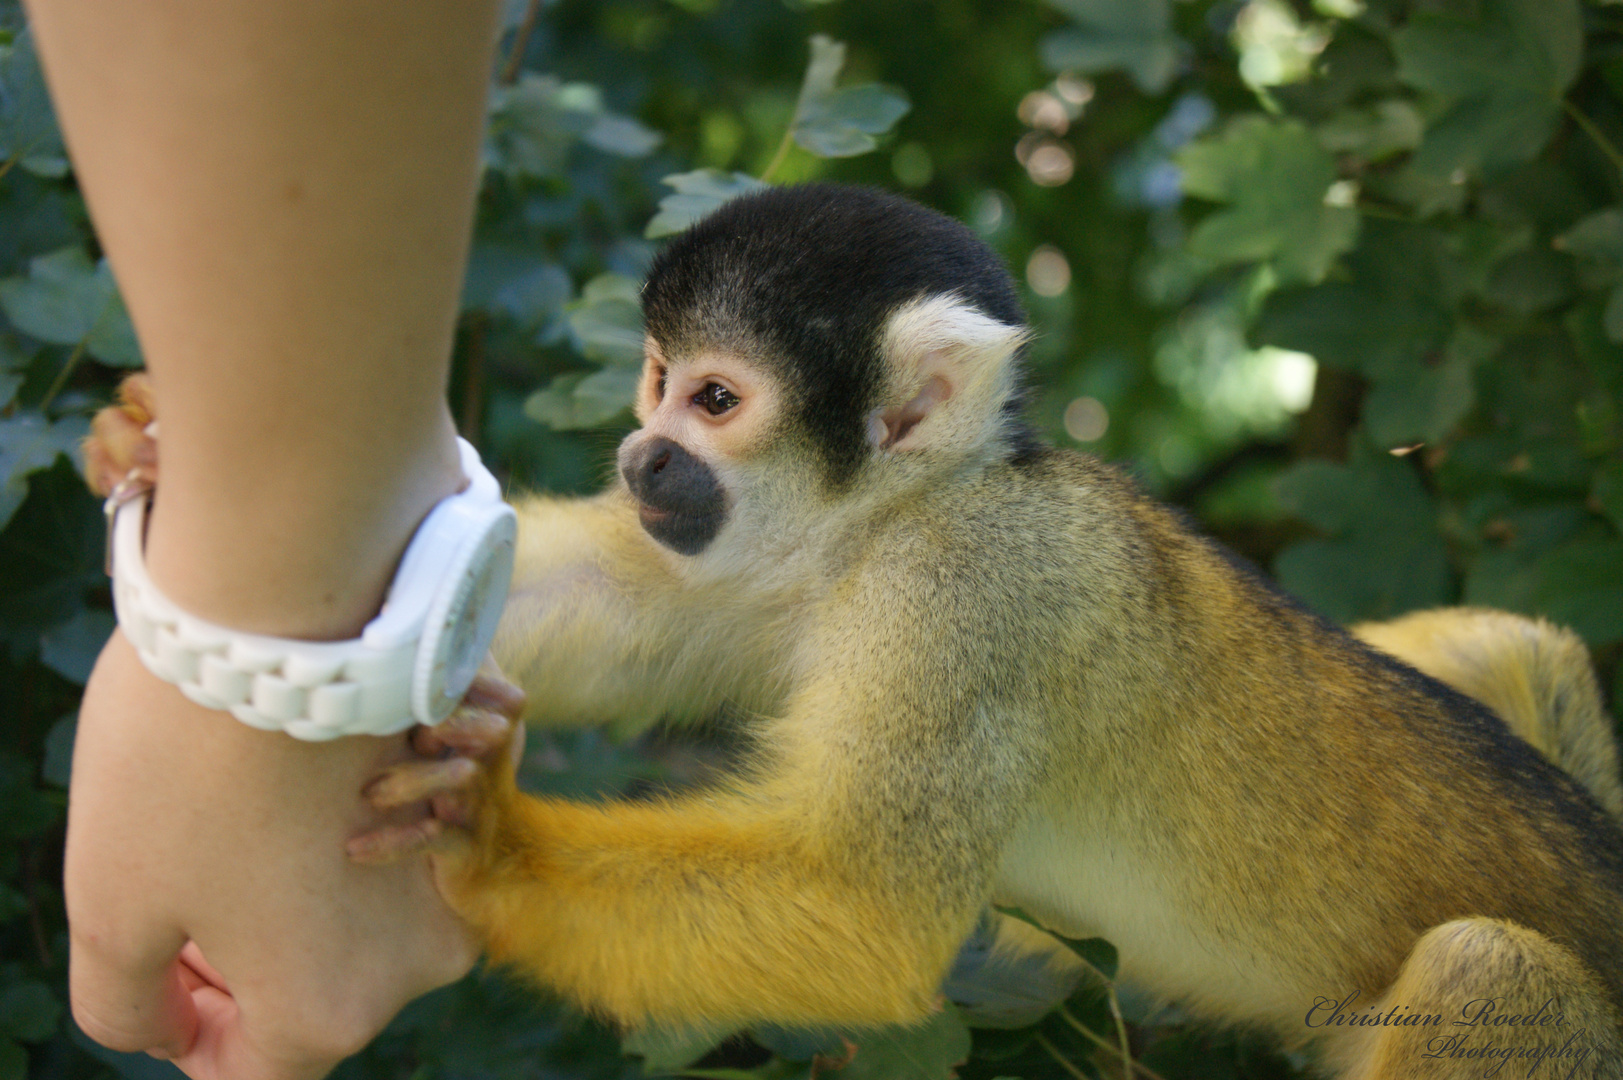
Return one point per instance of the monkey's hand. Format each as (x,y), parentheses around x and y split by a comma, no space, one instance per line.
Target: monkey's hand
(462,763)
(123,440)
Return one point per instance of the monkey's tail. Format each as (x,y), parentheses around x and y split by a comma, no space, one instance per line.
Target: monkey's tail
(1535,675)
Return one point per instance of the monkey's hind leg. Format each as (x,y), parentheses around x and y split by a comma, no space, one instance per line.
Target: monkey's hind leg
(1475,975)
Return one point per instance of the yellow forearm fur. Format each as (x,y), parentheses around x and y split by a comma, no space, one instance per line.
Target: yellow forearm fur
(722,910)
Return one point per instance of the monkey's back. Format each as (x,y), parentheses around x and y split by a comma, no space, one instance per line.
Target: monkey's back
(1231,775)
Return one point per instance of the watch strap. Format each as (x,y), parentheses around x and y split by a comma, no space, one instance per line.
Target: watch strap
(411,663)
(312,690)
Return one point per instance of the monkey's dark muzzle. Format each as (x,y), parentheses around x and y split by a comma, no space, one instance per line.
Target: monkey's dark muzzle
(681,503)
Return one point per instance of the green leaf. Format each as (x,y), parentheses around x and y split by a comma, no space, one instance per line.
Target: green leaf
(998,1044)
(515,282)
(930,1051)
(1531,281)
(70,648)
(621,136)
(1396,271)
(112,339)
(29,1011)
(822,70)
(1097,953)
(50,557)
(1597,238)
(1110,35)
(1532,392)
(1506,70)
(799,1044)
(575,401)
(57,767)
(868,107)
(1608,491)
(1274,177)
(1013,986)
(28,443)
(698,194)
(833,140)
(1382,555)
(25,810)
(59,300)
(844,123)
(1375,133)
(1425,402)
(13,1061)
(535,123)
(607,392)
(28,130)
(772,1070)
(65,300)
(1597,243)
(1581,585)
(606,322)
(841,123)
(666,1050)
(1350,580)
(1612,315)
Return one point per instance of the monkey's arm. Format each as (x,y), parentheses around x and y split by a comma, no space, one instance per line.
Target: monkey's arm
(721,911)
(833,889)
(597,627)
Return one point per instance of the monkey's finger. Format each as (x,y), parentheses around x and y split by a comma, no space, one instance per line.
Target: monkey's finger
(454,808)
(137,399)
(468,732)
(117,448)
(494,691)
(393,842)
(414,781)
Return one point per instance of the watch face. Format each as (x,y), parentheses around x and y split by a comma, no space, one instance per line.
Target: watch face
(471,634)
(467,620)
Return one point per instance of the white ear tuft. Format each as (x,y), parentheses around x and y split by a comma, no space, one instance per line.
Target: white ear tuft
(952,369)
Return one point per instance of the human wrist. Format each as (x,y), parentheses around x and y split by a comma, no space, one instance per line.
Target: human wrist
(305,548)
(414,661)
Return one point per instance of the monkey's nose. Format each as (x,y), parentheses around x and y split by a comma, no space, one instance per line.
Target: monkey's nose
(681,501)
(664,475)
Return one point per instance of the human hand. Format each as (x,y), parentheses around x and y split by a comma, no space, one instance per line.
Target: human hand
(191,835)
(239,850)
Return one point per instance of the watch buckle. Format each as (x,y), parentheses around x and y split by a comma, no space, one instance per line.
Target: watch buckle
(133,486)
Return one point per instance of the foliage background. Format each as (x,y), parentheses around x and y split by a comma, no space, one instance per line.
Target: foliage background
(1205,198)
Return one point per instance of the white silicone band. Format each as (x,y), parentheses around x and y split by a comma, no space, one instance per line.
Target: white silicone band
(313,690)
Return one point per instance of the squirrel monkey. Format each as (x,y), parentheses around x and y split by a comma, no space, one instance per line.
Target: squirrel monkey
(989,671)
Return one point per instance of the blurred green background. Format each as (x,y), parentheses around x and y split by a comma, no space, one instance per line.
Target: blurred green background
(1342,278)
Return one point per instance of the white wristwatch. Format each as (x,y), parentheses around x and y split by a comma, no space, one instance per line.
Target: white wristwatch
(411,664)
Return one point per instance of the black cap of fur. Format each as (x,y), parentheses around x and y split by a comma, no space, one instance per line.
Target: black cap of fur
(804,278)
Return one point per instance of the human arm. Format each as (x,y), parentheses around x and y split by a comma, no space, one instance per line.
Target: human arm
(285,194)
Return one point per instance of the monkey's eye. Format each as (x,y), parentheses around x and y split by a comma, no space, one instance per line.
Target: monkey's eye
(715,398)
(664,378)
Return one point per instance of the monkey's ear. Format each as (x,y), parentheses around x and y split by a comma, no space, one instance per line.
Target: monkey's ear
(952,369)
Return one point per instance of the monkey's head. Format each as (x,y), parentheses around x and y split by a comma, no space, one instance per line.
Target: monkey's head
(814,347)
